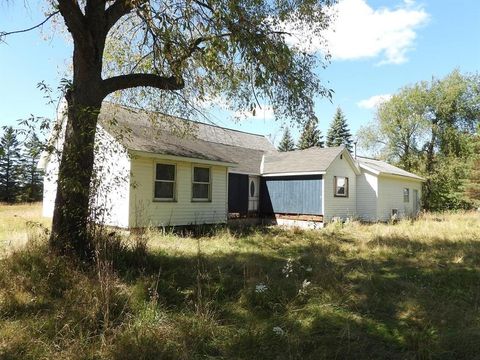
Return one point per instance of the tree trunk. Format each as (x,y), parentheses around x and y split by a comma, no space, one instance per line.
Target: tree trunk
(70,233)
(71,214)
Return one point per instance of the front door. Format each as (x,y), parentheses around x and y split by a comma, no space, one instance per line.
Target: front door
(253,193)
(416,203)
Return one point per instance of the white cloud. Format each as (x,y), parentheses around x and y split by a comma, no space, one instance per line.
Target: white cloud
(360,32)
(264,112)
(373,101)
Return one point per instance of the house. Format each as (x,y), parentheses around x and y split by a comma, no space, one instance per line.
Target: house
(181,172)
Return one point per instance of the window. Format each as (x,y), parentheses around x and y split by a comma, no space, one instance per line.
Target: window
(165,182)
(201,184)
(406,195)
(341,186)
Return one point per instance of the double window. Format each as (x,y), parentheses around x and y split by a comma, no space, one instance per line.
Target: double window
(341,186)
(201,184)
(165,181)
(406,195)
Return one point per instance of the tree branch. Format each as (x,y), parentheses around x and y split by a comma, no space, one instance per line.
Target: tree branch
(135,80)
(4,34)
(73,16)
(115,11)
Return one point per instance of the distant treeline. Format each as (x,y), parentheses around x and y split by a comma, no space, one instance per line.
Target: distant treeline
(432,128)
(20,180)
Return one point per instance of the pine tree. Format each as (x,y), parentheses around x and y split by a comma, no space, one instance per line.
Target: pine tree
(287,143)
(311,135)
(32,183)
(339,133)
(9,165)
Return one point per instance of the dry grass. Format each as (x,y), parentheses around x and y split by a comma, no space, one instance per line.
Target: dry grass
(409,290)
(15,221)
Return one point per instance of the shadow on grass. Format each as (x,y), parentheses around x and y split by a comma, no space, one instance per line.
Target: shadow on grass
(318,299)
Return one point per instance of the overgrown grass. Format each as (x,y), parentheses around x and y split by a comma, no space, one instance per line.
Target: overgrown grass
(404,291)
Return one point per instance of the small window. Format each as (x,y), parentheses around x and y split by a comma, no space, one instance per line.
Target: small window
(406,195)
(252,188)
(341,186)
(165,182)
(201,184)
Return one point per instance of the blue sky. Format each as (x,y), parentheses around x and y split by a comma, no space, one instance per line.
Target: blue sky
(378,47)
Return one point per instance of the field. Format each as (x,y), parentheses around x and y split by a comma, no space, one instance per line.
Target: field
(409,290)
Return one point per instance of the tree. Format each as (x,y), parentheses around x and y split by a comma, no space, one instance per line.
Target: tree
(187,50)
(32,177)
(287,143)
(311,135)
(472,188)
(339,133)
(9,165)
(428,128)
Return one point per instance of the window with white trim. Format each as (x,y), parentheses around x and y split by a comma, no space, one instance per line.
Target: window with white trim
(201,184)
(406,195)
(341,186)
(165,178)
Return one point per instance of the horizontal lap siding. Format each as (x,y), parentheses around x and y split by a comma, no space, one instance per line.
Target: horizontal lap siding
(144,211)
(292,195)
(390,196)
(342,207)
(367,196)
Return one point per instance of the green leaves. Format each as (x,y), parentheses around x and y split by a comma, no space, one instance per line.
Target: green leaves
(221,48)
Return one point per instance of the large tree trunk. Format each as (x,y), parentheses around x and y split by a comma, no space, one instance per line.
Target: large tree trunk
(70,233)
(71,214)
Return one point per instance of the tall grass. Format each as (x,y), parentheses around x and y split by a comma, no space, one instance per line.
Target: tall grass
(404,291)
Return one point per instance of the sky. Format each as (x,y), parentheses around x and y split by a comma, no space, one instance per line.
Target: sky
(377,47)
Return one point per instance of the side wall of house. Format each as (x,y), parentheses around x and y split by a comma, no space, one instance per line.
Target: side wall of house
(390,196)
(342,207)
(112,185)
(145,211)
(112,166)
(367,196)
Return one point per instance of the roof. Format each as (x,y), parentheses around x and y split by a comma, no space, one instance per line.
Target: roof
(381,167)
(310,160)
(158,133)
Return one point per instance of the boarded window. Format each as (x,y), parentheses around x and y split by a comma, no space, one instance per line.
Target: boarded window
(406,195)
(201,184)
(165,182)
(341,186)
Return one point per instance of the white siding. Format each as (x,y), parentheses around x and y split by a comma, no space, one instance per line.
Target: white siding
(390,196)
(342,207)
(112,165)
(144,211)
(367,196)
(111,191)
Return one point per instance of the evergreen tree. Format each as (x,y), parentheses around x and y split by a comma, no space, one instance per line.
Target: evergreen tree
(339,133)
(32,177)
(287,143)
(9,165)
(311,135)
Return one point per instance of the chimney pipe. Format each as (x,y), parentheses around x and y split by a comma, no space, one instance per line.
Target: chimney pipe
(355,149)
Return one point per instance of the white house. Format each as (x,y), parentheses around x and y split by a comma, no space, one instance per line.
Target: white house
(180,172)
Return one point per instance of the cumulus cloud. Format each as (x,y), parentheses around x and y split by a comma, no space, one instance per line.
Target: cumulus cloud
(359,31)
(373,101)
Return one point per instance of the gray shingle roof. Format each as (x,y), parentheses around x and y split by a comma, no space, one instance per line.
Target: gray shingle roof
(163,134)
(310,160)
(385,168)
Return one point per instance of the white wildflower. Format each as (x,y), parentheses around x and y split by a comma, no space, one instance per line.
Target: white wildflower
(288,268)
(305,285)
(309,269)
(278,331)
(261,288)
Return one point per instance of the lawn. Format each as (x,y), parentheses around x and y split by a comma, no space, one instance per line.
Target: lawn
(409,290)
